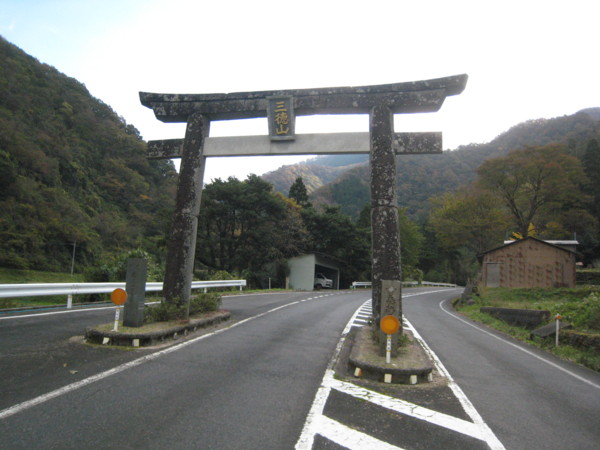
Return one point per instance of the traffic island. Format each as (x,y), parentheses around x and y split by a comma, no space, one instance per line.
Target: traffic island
(411,366)
(154,333)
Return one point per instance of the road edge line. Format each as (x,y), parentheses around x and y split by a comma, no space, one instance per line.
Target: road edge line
(518,347)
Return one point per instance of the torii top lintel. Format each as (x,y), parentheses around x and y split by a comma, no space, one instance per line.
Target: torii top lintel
(408,97)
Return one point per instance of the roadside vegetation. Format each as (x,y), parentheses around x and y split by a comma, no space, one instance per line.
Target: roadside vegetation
(17,276)
(579,307)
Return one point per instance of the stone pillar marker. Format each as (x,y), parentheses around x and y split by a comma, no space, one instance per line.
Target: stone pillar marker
(135,286)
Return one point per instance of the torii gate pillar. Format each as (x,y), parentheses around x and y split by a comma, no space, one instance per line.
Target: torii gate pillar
(385,241)
(181,247)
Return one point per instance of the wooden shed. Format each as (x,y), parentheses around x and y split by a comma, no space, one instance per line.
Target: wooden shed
(528,263)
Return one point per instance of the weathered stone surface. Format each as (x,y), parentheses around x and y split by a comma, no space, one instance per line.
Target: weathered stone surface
(135,285)
(417,143)
(155,333)
(315,144)
(550,329)
(581,340)
(410,361)
(411,97)
(182,244)
(385,243)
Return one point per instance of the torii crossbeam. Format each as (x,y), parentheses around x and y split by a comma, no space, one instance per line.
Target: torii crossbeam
(381,102)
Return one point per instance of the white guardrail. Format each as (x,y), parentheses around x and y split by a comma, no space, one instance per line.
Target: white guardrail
(70,289)
(367,284)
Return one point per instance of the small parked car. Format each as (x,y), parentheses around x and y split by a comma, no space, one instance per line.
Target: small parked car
(321,281)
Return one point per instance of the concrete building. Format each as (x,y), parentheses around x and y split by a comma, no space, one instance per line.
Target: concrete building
(529,263)
(303,269)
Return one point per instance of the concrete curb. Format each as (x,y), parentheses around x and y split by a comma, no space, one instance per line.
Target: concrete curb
(95,336)
(418,370)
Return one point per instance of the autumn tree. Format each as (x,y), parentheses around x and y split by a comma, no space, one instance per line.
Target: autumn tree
(535,184)
(470,217)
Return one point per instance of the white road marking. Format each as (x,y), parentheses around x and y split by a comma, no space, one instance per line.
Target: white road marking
(136,362)
(318,423)
(518,347)
(349,438)
(410,409)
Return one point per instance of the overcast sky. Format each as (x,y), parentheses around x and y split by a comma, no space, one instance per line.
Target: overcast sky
(526,59)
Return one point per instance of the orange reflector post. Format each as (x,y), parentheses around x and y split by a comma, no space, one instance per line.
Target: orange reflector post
(118,296)
(389,324)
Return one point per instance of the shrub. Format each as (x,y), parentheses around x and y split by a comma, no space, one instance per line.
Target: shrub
(114,267)
(583,314)
(199,304)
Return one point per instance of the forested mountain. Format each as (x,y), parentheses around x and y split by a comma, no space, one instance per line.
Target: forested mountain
(420,177)
(72,170)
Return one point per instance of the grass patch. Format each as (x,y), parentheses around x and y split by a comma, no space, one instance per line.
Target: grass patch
(16,276)
(579,306)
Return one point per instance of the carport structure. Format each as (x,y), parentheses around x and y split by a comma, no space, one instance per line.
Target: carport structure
(303,269)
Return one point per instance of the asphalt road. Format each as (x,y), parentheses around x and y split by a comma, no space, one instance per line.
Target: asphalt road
(252,382)
(529,398)
(247,386)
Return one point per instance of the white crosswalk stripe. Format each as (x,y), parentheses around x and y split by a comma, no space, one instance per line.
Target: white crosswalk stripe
(319,424)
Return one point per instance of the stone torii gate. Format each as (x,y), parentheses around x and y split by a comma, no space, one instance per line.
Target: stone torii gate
(381,102)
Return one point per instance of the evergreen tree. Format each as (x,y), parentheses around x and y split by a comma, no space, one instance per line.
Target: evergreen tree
(247,229)
(591,166)
(590,239)
(299,193)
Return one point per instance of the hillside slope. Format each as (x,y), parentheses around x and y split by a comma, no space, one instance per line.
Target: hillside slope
(71,170)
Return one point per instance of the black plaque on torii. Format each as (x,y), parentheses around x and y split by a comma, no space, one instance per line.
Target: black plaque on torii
(381,102)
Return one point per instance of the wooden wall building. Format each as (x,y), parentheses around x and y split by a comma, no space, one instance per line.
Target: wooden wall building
(528,263)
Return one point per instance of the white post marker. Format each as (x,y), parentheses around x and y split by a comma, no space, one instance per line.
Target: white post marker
(118,297)
(388,349)
(389,325)
(557,327)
